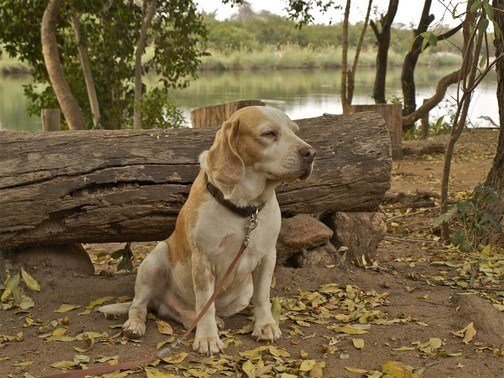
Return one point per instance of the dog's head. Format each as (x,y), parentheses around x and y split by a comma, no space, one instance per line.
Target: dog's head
(261,138)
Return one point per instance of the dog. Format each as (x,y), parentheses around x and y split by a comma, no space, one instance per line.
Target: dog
(254,151)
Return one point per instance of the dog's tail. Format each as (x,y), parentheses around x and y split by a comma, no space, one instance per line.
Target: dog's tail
(115,309)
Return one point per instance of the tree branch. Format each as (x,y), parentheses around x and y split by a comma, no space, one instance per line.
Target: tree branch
(142,39)
(449,33)
(375,29)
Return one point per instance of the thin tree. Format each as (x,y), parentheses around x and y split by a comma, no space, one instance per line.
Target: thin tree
(86,70)
(69,105)
(410,61)
(495,177)
(470,76)
(421,40)
(149,11)
(348,75)
(383,41)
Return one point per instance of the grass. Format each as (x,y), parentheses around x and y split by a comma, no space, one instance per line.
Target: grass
(298,57)
(267,58)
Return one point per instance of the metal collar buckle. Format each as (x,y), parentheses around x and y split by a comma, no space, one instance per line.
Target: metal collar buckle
(251,225)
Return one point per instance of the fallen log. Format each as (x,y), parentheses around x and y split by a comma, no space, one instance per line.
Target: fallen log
(103,186)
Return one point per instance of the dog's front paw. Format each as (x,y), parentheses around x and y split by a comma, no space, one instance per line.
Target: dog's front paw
(208,344)
(268,331)
(133,328)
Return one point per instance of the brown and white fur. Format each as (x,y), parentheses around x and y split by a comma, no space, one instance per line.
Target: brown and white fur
(254,151)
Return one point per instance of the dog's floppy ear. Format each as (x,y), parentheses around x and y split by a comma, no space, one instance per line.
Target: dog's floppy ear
(223,159)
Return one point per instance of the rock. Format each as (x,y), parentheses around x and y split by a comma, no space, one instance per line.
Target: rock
(63,258)
(422,148)
(320,256)
(300,233)
(360,232)
(486,318)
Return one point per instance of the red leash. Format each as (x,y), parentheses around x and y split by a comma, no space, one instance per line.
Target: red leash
(100,369)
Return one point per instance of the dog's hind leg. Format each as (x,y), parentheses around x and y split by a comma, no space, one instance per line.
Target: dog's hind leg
(151,278)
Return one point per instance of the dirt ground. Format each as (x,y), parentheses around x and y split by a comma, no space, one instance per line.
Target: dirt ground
(400,314)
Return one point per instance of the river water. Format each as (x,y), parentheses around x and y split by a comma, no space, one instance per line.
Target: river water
(300,93)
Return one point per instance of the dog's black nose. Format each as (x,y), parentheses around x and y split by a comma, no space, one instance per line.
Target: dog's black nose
(308,154)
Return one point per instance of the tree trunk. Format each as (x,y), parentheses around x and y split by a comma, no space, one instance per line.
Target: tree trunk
(129,185)
(216,115)
(344,60)
(351,75)
(86,70)
(495,177)
(383,41)
(471,52)
(441,87)
(150,10)
(68,103)
(410,61)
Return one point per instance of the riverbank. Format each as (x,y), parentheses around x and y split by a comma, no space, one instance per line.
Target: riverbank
(12,66)
(293,56)
(270,57)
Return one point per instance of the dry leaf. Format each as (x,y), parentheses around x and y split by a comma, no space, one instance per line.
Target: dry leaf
(164,328)
(397,369)
(98,302)
(249,369)
(403,349)
(318,370)
(307,365)
(468,333)
(358,343)
(30,282)
(23,363)
(176,359)
(155,373)
(276,309)
(64,364)
(355,370)
(66,308)
(59,331)
(106,359)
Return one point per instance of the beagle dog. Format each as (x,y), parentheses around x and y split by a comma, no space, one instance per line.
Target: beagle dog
(254,151)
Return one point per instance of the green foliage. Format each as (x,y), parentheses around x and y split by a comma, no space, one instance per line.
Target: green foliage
(474,224)
(429,38)
(266,30)
(111,31)
(442,125)
(126,256)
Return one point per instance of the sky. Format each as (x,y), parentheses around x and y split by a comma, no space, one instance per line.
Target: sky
(408,12)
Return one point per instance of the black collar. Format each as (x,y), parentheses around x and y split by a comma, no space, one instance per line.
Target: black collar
(244,212)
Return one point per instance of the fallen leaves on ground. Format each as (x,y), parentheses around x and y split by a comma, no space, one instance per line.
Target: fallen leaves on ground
(467,333)
(66,308)
(13,295)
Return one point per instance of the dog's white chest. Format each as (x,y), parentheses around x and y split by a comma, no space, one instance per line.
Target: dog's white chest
(220,236)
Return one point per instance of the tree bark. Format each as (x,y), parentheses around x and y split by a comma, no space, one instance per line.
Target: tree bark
(441,87)
(495,177)
(351,75)
(101,186)
(410,61)
(68,103)
(86,70)
(470,56)
(150,10)
(383,41)
(344,59)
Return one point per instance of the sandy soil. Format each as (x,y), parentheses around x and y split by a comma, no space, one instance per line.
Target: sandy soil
(419,287)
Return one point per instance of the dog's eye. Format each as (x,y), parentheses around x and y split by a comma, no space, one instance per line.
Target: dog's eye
(269,134)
